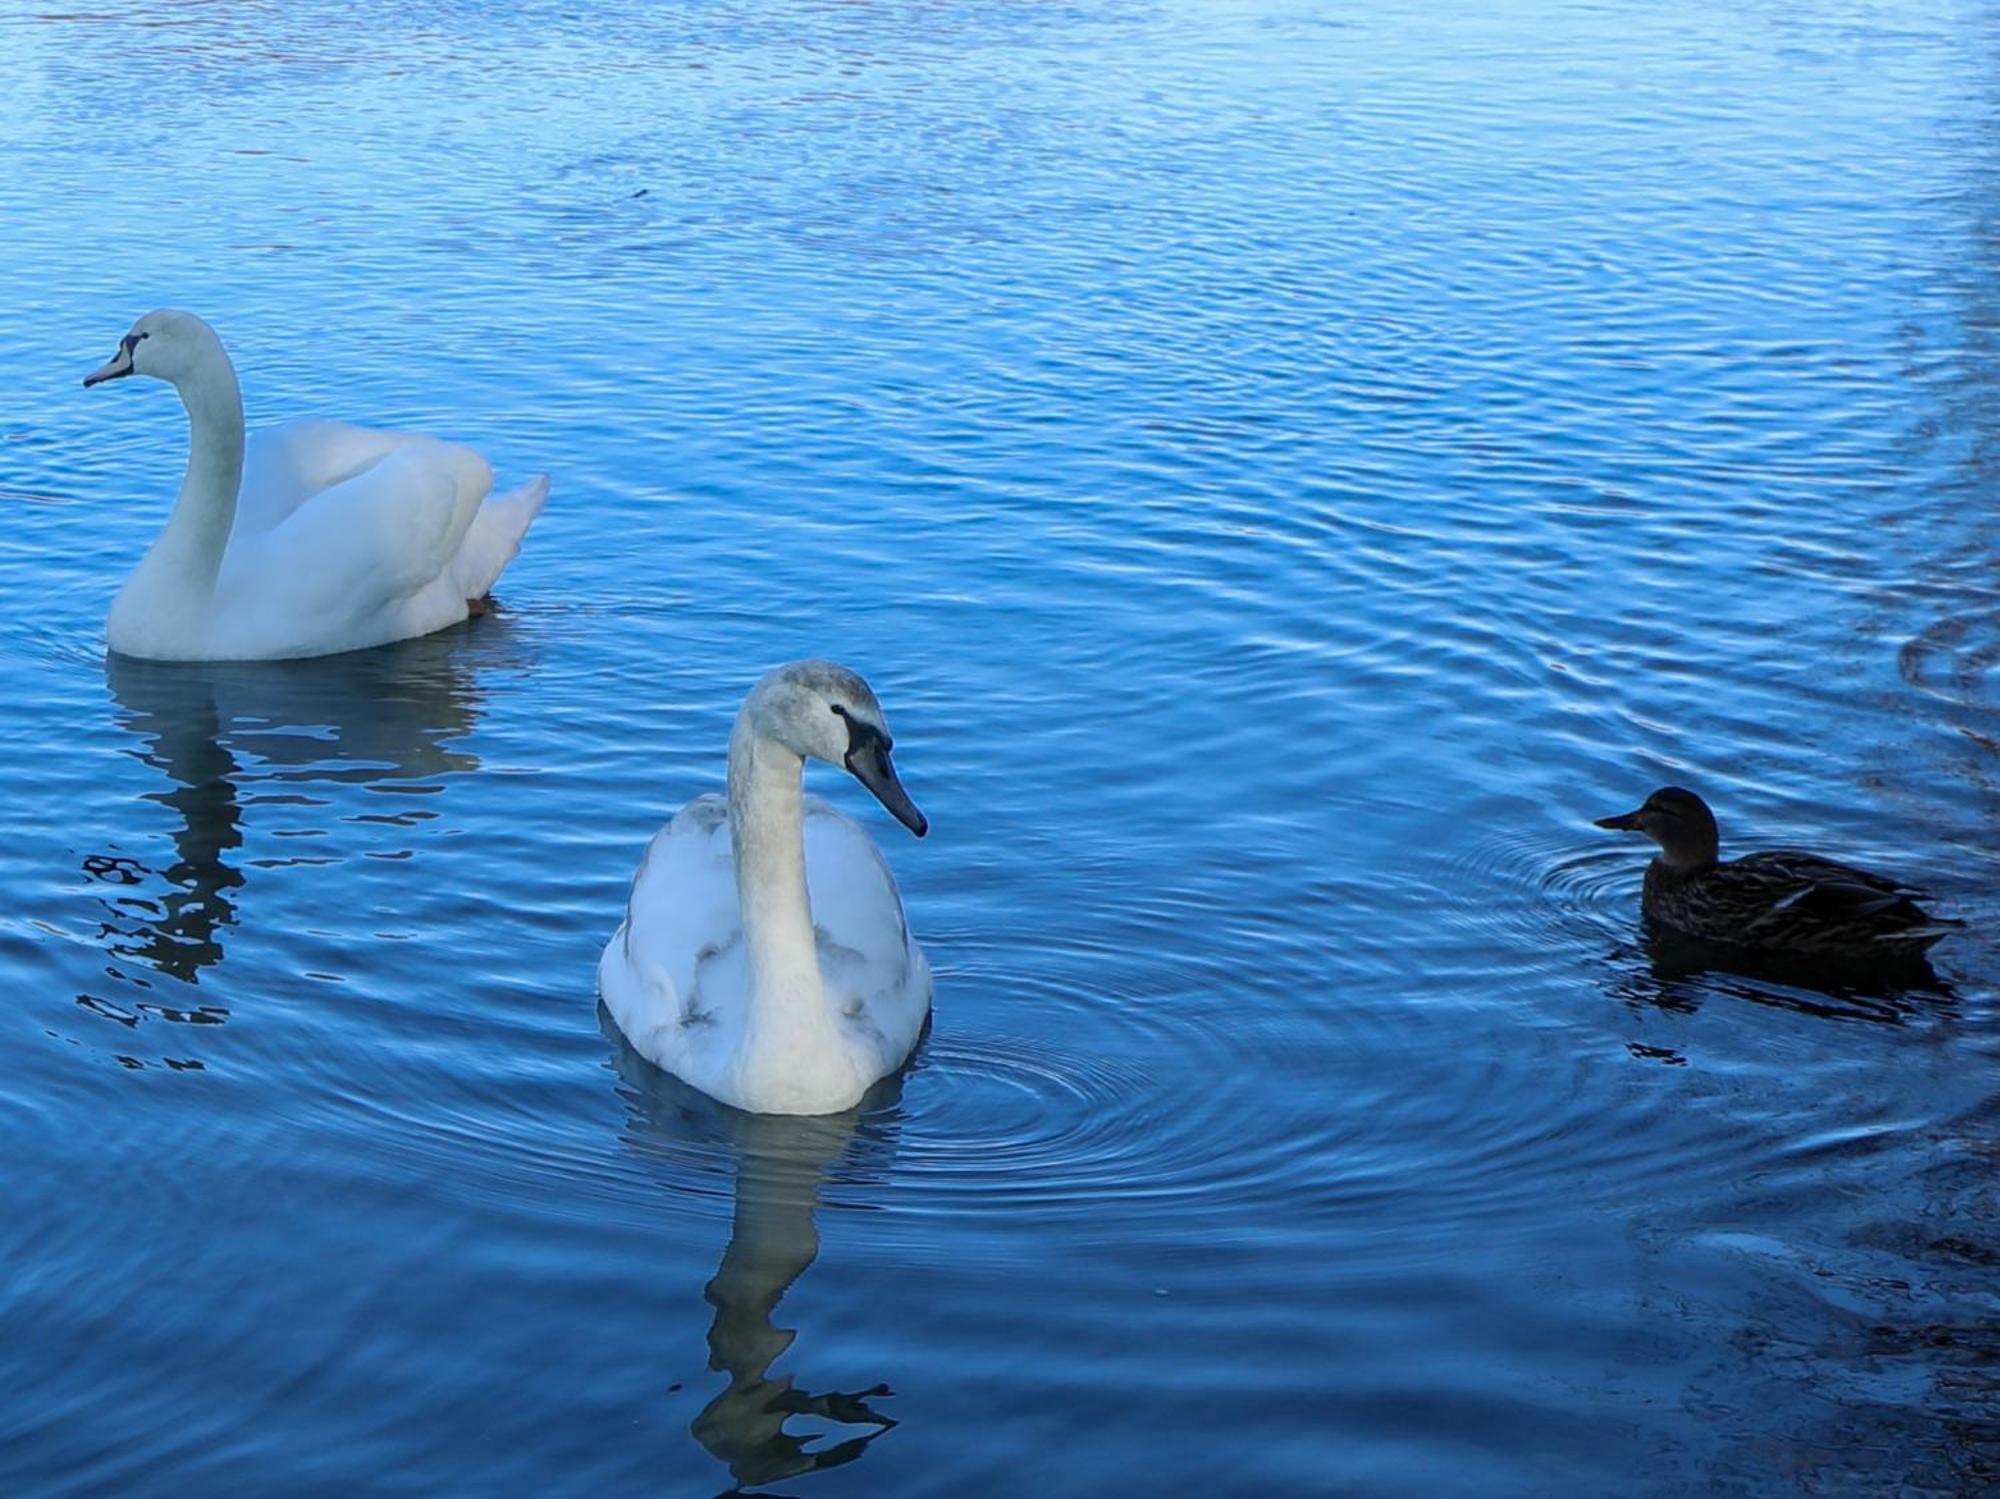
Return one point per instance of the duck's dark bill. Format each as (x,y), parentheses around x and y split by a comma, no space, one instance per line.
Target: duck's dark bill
(871,766)
(1626,822)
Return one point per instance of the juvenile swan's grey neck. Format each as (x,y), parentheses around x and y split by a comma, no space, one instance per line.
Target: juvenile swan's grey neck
(188,553)
(788,1032)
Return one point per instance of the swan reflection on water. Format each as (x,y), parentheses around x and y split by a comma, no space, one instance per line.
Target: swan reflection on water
(229,733)
(780,1163)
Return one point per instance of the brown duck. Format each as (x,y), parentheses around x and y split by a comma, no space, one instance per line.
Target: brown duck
(1781,902)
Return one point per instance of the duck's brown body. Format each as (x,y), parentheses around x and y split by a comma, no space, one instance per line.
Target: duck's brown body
(1792,902)
(1781,902)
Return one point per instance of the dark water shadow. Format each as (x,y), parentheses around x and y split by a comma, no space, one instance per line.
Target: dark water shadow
(230,734)
(779,1167)
(1679,973)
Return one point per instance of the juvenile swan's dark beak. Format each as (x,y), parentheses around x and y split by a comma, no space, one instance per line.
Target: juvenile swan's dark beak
(870,764)
(1627,822)
(118,366)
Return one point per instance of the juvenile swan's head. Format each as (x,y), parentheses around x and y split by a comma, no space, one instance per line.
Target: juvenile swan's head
(820,710)
(167,345)
(1677,820)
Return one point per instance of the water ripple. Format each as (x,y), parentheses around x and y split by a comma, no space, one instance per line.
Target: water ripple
(1286,473)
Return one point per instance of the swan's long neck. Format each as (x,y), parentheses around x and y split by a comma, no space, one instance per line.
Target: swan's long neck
(788,1032)
(188,553)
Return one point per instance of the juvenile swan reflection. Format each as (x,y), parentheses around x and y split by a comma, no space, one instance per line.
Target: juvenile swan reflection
(781,1164)
(772,1239)
(217,730)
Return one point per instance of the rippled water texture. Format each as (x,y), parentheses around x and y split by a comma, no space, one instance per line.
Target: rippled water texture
(1286,467)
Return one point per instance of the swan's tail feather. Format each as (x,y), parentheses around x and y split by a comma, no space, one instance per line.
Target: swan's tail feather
(495,537)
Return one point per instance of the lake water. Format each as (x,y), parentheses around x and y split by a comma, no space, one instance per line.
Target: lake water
(1286,468)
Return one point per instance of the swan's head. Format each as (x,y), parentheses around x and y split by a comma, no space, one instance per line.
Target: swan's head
(1677,820)
(820,710)
(167,345)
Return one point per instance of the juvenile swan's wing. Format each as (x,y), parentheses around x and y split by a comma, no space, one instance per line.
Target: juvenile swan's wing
(875,975)
(672,975)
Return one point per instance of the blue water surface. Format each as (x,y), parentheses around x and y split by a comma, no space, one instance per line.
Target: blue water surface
(1286,467)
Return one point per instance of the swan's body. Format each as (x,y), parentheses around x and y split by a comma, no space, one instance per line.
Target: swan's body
(309,539)
(764,957)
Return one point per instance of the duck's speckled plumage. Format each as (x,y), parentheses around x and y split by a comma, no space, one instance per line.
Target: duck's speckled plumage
(1780,901)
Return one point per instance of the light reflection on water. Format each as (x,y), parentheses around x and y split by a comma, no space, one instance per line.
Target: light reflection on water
(1286,471)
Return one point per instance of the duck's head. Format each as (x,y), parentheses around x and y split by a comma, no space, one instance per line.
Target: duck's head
(168,345)
(821,710)
(1677,820)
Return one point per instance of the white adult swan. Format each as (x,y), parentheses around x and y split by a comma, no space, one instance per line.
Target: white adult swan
(764,957)
(320,537)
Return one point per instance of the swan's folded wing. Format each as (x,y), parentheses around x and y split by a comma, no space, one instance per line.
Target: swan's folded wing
(381,534)
(287,465)
(857,910)
(681,919)
(874,974)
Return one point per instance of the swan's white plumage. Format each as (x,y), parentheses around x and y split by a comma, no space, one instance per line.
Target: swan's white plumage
(335,538)
(675,975)
(764,956)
